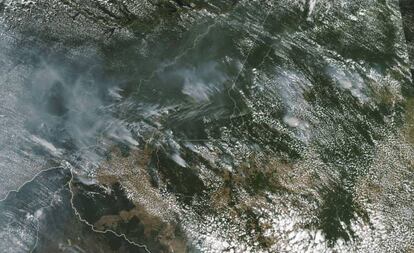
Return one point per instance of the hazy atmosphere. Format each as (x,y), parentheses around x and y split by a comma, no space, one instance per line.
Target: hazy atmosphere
(206,126)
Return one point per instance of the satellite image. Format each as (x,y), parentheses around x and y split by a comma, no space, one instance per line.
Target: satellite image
(206,126)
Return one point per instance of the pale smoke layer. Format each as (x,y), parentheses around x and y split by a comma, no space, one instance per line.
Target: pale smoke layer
(202,82)
(51,110)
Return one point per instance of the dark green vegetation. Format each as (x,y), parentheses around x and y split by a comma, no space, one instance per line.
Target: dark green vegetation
(207,126)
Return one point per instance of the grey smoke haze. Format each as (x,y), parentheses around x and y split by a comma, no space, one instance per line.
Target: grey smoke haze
(70,106)
(56,105)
